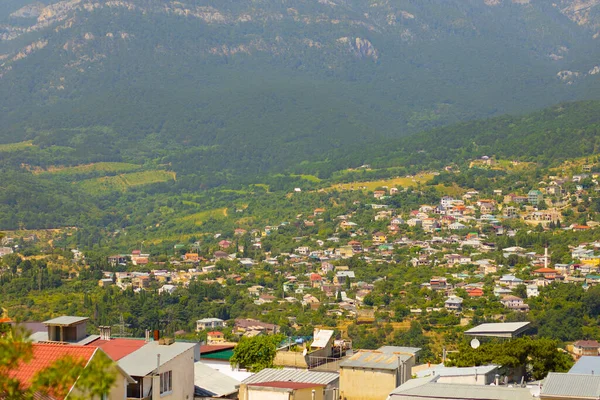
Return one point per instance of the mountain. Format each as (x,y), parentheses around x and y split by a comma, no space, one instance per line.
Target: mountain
(249,87)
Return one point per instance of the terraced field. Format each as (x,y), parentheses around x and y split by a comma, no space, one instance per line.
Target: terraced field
(200,217)
(8,147)
(106,167)
(124,181)
(399,182)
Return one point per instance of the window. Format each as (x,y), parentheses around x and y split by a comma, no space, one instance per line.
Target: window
(166,382)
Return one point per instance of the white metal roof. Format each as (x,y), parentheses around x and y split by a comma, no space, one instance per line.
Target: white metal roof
(562,385)
(292,375)
(501,329)
(322,338)
(143,361)
(65,320)
(213,381)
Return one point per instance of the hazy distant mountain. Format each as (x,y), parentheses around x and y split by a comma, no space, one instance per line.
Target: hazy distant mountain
(270,83)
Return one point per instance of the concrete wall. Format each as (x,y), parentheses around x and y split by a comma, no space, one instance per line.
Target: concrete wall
(290,359)
(266,393)
(367,384)
(182,379)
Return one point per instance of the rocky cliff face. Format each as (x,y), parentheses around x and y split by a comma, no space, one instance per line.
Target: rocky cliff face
(429,54)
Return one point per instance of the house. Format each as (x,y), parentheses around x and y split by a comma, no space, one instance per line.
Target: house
(379,237)
(209,323)
(242,325)
(535,197)
(586,348)
(162,370)
(514,303)
(117,260)
(318,211)
(532,291)
(215,337)
(284,384)
(191,257)
(373,374)
(475,292)
(547,273)
(342,276)
(45,354)
(454,303)
(167,289)
(511,281)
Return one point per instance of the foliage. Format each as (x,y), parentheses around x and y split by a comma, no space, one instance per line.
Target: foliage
(539,355)
(256,353)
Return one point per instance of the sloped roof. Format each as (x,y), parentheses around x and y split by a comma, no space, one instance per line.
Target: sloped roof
(586,365)
(563,385)
(374,359)
(288,385)
(322,338)
(213,382)
(285,375)
(500,329)
(143,361)
(424,389)
(44,355)
(119,347)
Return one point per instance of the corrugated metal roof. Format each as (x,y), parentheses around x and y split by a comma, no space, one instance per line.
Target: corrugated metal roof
(571,385)
(292,375)
(143,361)
(374,359)
(287,385)
(433,390)
(586,365)
(65,320)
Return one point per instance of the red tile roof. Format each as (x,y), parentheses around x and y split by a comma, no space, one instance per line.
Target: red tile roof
(45,354)
(288,385)
(119,347)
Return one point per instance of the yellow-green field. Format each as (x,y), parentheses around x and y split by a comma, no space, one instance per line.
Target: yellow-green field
(15,146)
(95,167)
(200,217)
(394,182)
(123,181)
(310,178)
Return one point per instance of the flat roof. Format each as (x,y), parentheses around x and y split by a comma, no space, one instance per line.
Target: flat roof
(426,388)
(501,329)
(66,321)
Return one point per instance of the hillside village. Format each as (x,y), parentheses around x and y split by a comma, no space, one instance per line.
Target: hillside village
(375,294)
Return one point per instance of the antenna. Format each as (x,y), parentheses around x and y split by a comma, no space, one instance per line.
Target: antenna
(121,326)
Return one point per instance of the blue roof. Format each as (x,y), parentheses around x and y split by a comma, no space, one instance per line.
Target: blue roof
(586,365)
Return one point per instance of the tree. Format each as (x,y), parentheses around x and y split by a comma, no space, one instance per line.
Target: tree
(92,380)
(256,353)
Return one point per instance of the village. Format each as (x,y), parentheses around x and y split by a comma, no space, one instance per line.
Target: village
(471,268)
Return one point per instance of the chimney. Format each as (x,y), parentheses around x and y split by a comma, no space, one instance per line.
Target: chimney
(105,332)
(147,335)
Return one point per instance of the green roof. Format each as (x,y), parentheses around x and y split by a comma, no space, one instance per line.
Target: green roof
(218,355)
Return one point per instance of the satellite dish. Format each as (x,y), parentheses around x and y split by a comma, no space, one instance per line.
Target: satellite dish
(475,343)
(304,352)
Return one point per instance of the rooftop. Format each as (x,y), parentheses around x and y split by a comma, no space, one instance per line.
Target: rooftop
(213,382)
(119,347)
(586,365)
(563,385)
(66,321)
(428,388)
(143,361)
(291,375)
(374,359)
(500,329)
(288,385)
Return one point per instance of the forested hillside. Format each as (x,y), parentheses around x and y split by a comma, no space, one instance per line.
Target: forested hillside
(248,87)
